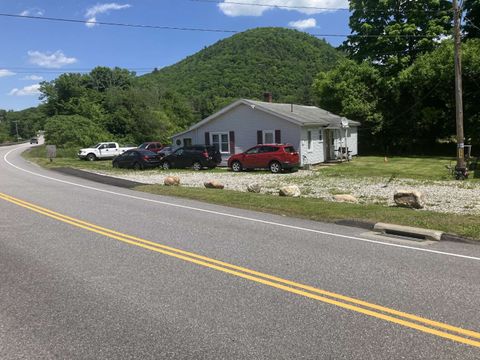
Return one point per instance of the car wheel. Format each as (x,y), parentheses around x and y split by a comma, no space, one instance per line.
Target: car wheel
(236,166)
(137,166)
(166,165)
(91,157)
(275,167)
(197,166)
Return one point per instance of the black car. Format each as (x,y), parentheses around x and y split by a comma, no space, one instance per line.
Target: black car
(33,141)
(136,159)
(194,156)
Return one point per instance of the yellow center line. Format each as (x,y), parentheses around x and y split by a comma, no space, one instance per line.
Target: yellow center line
(273,281)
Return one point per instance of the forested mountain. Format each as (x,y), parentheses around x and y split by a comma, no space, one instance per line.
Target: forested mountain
(277,60)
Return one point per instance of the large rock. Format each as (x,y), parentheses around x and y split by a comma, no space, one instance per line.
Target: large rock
(213,184)
(172,181)
(409,198)
(345,198)
(254,188)
(290,191)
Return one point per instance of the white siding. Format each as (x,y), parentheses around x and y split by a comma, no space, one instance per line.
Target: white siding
(245,121)
(353,140)
(315,155)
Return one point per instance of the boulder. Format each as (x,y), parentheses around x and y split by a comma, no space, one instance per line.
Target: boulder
(290,191)
(409,198)
(254,188)
(171,181)
(345,198)
(213,184)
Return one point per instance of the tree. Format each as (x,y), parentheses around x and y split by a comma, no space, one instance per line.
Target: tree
(428,87)
(393,33)
(103,78)
(73,130)
(354,91)
(472,21)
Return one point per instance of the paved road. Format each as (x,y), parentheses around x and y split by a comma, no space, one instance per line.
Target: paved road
(100,283)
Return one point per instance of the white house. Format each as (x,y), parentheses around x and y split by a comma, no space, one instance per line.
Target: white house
(317,134)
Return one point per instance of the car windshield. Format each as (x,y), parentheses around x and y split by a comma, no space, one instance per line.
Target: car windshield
(143,146)
(96,146)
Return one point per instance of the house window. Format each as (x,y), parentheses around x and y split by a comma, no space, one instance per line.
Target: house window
(221,142)
(309,139)
(320,135)
(268,136)
(187,142)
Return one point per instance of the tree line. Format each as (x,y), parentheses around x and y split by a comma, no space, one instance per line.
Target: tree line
(398,79)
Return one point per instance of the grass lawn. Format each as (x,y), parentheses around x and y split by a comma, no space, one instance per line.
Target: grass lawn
(423,168)
(418,168)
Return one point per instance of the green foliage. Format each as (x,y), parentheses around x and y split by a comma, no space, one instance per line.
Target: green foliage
(73,130)
(429,84)
(354,91)
(379,29)
(472,21)
(246,65)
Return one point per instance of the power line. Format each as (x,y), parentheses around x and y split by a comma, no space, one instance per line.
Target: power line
(271,5)
(292,7)
(144,26)
(471,23)
(161,27)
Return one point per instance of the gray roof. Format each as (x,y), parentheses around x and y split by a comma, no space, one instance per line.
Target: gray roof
(305,115)
(301,115)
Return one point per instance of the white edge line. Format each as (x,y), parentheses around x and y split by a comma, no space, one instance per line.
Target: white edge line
(238,216)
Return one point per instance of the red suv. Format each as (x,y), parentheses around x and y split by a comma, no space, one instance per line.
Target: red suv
(275,157)
(152,146)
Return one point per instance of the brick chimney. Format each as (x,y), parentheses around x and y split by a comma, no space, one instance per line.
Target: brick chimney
(267,97)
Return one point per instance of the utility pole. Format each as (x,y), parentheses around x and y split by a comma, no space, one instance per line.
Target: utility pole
(457,13)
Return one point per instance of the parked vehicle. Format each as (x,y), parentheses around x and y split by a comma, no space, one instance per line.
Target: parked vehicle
(167,150)
(137,159)
(194,156)
(34,140)
(152,146)
(275,157)
(103,150)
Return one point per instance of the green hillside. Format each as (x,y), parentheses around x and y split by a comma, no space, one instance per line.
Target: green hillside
(246,65)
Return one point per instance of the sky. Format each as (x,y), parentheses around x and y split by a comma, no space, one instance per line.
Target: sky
(38,50)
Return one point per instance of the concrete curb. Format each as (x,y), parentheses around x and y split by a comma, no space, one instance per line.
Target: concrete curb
(109,180)
(419,233)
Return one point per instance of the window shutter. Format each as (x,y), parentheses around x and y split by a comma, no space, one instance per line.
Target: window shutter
(259,137)
(231,135)
(207,138)
(278,136)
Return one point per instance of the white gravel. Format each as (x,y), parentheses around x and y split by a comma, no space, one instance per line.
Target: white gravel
(441,196)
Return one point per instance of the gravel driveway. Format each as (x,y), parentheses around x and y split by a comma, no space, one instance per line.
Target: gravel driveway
(441,196)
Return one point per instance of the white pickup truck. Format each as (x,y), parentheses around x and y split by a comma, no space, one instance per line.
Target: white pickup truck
(103,150)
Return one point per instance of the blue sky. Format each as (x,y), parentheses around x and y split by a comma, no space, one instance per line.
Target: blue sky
(34,50)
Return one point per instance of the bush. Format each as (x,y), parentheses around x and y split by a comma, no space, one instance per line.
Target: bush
(67,131)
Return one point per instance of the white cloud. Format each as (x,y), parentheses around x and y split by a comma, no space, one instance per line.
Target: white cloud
(33,77)
(92,12)
(33,11)
(50,60)
(303,24)
(308,7)
(5,73)
(26,91)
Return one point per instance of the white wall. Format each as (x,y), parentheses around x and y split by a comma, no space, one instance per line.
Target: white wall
(316,154)
(245,121)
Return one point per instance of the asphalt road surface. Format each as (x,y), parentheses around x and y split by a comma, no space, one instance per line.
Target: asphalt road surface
(92,271)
